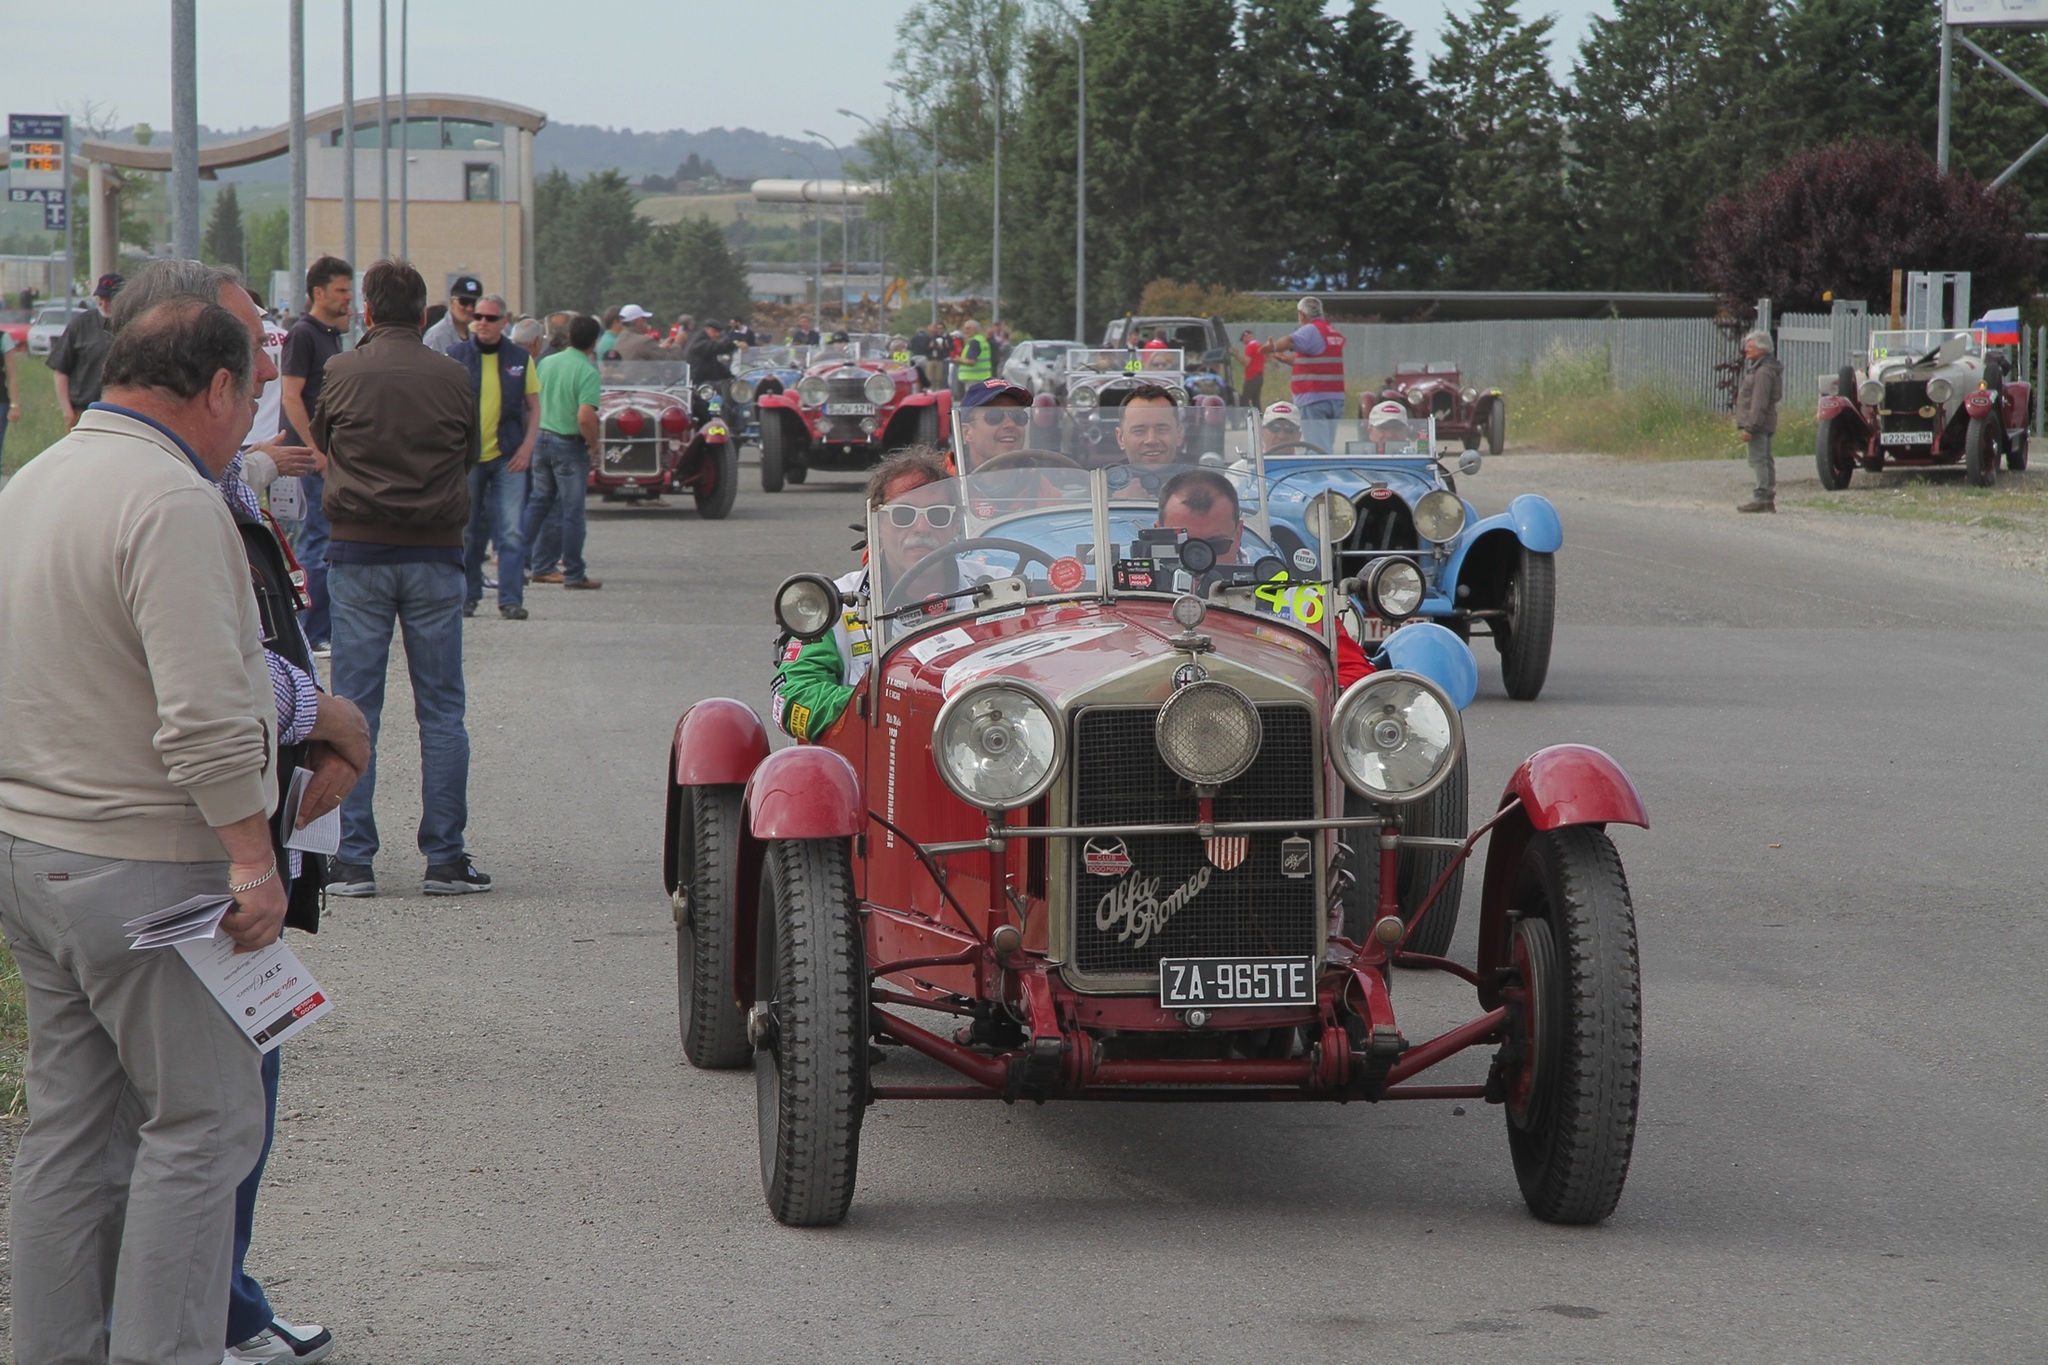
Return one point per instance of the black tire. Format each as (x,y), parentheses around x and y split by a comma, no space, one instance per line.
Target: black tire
(810,1064)
(1980,454)
(1470,440)
(774,451)
(1845,384)
(1497,427)
(714,1019)
(794,469)
(1531,604)
(722,462)
(1834,465)
(1443,814)
(2016,452)
(1572,1126)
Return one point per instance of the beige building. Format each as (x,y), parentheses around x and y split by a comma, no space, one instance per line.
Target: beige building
(469,187)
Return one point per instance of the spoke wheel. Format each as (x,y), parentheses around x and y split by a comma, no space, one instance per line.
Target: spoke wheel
(1532,617)
(1574,1057)
(810,1032)
(714,1021)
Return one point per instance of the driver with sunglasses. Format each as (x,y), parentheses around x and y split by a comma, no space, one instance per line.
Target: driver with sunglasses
(994,418)
(915,496)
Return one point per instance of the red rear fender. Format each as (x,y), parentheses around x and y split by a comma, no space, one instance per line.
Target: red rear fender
(719,742)
(805,793)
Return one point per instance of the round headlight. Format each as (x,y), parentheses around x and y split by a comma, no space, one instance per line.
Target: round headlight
(1939,390)
(807,605)
(1439,515)
(1084,399)
(1469,393)
(880,388)
(1332,507)
(811,392)
(998,746)
(1395,737)
(742,390)
(1871,393)
(706,392)
(1395,589)
(1209,732)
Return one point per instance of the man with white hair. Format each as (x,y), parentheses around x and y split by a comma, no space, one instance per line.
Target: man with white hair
(1315,352)
(1757,393)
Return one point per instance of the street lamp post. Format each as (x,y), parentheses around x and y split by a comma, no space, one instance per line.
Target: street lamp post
(1080,173)
(184,129)
(383,131)
(818,250)
(348,131)
(932,281)
(404,126)
(845,261)
(881,252)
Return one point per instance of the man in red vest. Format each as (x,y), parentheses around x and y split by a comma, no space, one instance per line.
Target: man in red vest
(1315,350)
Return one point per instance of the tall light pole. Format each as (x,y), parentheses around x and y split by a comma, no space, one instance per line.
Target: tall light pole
(1080,174)
(845,246)
(184,129)
(348,132)
(295,254)
(818,256)
(383,131)
(932,281)
(882,266)
(405,130)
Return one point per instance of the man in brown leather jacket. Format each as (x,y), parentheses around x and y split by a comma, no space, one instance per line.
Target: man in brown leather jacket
(1756,416)
(399,425)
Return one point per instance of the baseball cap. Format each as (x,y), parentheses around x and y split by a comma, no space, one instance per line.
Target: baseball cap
(988,391)
(1281,412)
(109,285)
(633,312)
(465,287)
(1387,412)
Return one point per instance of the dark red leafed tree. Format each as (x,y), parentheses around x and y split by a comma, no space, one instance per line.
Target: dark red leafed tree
(1840,219)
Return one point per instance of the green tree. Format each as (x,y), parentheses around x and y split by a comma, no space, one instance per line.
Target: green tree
(1508,208)
(582,231)
(223,242)
(683,267)
(270,249)
(1672,106)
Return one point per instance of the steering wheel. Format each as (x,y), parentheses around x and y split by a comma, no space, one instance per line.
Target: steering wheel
(1024,459)
(900,596)
(1310,446)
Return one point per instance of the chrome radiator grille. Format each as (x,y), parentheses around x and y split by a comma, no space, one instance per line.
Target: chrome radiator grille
(1119,779)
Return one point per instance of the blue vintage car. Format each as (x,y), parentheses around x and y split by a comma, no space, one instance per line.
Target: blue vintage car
(760,370)
(1498,573)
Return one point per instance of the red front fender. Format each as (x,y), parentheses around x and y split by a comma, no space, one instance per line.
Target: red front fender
(1834,405)
(805,793)
(1566,784)
(1979,403)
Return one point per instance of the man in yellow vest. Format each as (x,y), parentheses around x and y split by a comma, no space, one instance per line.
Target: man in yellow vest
(977,357)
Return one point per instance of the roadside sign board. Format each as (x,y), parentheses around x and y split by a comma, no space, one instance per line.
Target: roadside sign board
(35,154)
(1984,13)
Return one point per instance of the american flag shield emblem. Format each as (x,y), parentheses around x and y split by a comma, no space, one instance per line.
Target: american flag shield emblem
(1226,851)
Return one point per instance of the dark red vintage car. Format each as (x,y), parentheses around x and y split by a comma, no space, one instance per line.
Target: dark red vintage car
(1078,839)
(858,401)
(1462,413)
(1924,399)
(653,442)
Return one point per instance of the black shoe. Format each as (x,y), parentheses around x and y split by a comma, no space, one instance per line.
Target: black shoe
(350,879)
(469,608)
(512,613)
(456,879)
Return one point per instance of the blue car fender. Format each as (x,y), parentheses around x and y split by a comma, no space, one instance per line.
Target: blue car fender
(1536,524)
(1437,654)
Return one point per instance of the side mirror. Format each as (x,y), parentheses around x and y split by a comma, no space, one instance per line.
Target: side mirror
(1468,463)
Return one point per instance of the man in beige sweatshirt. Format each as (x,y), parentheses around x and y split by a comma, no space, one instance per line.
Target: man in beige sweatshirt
(136,752)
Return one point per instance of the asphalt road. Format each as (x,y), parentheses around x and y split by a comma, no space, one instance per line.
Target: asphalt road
(493,1151)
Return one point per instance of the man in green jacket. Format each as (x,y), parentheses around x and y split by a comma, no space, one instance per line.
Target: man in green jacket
(814,682)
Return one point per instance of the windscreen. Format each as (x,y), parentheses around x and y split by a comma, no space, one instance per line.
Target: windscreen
(771,358)
(1118,360)
(1921,342)
(644,374)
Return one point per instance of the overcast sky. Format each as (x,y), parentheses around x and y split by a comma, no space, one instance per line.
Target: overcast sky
(777,65)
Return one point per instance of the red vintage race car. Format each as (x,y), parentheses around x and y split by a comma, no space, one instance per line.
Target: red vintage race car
(654,441)
(859,399)
(1924,399)
(1077,839)
(1462,413)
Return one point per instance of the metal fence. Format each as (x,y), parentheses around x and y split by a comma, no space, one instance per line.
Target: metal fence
(1691,357)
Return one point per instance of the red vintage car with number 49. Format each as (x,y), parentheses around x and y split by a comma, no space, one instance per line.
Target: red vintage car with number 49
(1098,824)
(859,400)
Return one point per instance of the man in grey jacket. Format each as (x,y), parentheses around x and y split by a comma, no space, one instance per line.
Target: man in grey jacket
(1756,416)
(136,771)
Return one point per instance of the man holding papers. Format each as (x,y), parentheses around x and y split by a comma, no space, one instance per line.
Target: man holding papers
(137,770)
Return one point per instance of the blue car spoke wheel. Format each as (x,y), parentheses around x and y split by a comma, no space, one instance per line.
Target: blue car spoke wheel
(1523,635)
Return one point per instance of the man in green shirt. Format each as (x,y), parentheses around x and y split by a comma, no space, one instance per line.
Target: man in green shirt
(569,394)
(608,338)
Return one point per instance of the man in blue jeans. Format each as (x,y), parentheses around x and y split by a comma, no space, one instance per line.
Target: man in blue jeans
(506,383)
(314,339)
(569,394)
(399,426)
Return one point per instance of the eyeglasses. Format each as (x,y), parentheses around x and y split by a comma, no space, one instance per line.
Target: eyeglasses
(995,417)
(461,303)
(490,317)
(903,516)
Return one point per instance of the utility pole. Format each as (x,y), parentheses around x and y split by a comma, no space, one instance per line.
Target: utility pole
(845,236)
(1942,99)
(348,133)
(383,131)
(295,260)
(404,126)
(1081,187)
(995,287)
(184,129)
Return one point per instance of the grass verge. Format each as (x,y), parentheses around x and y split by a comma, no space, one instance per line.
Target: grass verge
(1567,401)
(2017,503)
(41,423)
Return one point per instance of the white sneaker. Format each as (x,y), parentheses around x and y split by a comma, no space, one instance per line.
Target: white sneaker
(303,1342)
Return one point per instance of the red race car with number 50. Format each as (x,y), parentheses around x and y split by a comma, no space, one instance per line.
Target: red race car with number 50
(1099,823)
